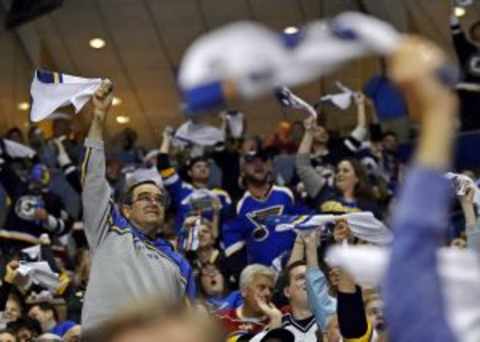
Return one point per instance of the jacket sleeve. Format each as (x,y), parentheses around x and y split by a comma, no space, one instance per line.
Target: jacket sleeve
(413,291)
(312,180)
(171,179)
(96,195)
(319,300)
(352,320)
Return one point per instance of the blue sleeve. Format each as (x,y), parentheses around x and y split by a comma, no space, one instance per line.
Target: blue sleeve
(319,300)
(226,201)
(172,181)
(415,306)
(370,88)
(234,235)
(190,289)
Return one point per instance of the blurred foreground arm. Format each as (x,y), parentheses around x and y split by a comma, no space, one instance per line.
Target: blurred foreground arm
(413,291)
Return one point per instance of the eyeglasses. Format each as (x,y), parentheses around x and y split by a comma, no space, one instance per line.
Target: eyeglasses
(157,199)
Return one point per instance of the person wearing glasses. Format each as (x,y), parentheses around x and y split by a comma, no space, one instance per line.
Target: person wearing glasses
(129,262)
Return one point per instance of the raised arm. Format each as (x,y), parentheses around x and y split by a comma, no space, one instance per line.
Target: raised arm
(420,219)
(472,228)
(171,179)
(319,299)
(96,195)
(312,180)
(360,131)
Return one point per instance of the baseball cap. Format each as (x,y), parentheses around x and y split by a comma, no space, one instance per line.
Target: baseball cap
(252,155)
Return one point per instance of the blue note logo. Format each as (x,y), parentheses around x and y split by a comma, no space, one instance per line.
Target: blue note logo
(257,217)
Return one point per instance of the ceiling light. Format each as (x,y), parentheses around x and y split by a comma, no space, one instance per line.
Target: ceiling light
(291,30)
(23,106)
(97,43)
(122,119)
(460,11)
(116,101)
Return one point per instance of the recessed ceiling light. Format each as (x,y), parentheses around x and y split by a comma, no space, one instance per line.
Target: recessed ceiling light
(291,30)
(97,43)
(460,11)
(122,119)
(23,106)
(116,101)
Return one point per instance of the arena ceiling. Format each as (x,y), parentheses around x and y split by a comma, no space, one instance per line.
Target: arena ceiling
(145,40)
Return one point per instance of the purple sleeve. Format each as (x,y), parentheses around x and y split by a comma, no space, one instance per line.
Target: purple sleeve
(415,306)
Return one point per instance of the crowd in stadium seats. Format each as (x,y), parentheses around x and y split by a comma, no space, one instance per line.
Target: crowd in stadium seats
(88,228)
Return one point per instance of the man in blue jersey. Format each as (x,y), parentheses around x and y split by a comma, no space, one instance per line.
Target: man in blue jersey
(261,199)
(214,205)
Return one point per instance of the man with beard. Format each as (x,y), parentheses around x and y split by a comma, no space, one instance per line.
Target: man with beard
(261,199)
(181,192)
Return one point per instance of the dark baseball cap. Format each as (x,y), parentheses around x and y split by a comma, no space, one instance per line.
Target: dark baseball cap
(252,155)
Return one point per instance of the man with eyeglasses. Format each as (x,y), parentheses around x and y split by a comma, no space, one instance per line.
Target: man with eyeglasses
(128,262)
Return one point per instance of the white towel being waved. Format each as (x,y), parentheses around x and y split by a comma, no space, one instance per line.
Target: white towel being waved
(462,183)
(52,90)
(255,58)
(235,122)
(363,225)
(459,272)
(341,100)
(40,273)
(289,100)
(17,150)
(198,134)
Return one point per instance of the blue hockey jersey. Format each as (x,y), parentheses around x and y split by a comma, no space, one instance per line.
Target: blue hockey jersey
(181,192)
(263,243)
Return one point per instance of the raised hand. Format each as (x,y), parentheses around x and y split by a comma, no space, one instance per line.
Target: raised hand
(191,221)
(467,199)
(167,136)
(102,99)
(271,311)
(310,124)
(311,239)
(359,98)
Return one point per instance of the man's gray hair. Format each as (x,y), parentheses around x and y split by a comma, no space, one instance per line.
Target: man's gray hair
(251,271)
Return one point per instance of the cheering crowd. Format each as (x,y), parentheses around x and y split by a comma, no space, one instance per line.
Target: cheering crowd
(189,242)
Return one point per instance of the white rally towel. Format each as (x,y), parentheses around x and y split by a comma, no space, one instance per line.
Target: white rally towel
(255,58)
(288,99)
(462,183)
(52,90)
(40,273)
(363,225)
(33,252)
(341,100)
(17,150)
(199,134)
(235,122)
(459,273)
